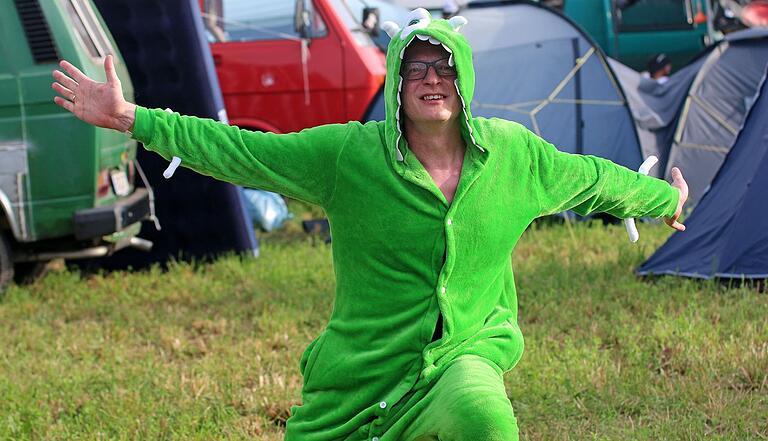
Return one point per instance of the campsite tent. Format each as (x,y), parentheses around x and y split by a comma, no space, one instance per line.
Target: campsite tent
(656,107)
(535,67)
(716,106)
(727,234)
(691,121)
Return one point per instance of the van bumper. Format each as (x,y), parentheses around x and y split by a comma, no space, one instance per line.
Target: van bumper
(102,221)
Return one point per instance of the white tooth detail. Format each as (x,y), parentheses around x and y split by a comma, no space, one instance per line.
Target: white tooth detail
(397,122)
(422,37)
(447,49)
(450,60)
(466,117)
(434,41)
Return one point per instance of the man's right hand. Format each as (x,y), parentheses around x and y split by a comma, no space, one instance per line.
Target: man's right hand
(679,183)
(100,104)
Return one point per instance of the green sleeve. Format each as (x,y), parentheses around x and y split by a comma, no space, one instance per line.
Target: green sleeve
(300,165)
(588,184)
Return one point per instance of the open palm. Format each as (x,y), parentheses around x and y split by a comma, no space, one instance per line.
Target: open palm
(100,104)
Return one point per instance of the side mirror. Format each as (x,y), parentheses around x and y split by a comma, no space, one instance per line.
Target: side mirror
(301,20)
(371,21)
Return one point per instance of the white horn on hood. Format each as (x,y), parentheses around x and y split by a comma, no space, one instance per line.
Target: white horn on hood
(391,28)
(419,18)
(457,22)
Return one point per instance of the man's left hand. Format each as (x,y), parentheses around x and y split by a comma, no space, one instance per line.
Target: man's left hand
(679,183)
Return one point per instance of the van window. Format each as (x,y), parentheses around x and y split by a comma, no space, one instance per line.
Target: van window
(88,28)
(655,15)
(351,13)
(250,20)
(318,25)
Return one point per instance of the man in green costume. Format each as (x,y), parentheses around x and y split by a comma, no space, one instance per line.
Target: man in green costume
(425,209)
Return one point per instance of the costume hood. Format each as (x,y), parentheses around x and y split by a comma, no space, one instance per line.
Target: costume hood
(419,24)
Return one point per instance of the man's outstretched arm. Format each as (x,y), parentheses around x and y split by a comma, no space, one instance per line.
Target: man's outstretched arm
(301,165)
(587,184)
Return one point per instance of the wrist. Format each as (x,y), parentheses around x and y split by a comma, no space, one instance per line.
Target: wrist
(125,118)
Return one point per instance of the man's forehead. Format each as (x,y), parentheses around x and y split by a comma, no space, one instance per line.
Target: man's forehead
(423,50)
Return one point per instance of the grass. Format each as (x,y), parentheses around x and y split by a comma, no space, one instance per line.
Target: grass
(211,351)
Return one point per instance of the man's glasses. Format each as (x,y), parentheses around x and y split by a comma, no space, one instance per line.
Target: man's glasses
(417,70)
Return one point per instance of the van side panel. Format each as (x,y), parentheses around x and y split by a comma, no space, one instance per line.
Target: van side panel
(65,155)
(14,169)
(61,149)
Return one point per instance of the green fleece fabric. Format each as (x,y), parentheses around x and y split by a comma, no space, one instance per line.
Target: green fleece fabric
(401,253)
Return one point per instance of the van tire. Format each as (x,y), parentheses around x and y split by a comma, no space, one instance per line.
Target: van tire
(6,262)
(25,273)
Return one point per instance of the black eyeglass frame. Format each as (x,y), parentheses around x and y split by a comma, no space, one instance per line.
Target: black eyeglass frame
(428,64)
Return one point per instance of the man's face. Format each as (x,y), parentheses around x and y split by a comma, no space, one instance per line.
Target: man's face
(433,98)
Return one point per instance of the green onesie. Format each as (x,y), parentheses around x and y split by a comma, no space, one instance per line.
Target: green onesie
(406,261)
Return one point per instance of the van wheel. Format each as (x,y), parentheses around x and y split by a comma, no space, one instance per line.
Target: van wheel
(27,272)
(6,263)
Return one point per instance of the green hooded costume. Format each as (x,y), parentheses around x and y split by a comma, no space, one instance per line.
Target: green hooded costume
(403,256)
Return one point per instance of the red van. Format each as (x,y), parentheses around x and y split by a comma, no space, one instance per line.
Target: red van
(287,65)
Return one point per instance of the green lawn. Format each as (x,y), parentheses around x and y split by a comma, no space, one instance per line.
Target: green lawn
(211,351)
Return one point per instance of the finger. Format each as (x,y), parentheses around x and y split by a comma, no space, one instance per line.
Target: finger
(673,223)
(63,91)
(64,103)
(109,69)
(65,81)
(677,175)
(73,72)
(678,226)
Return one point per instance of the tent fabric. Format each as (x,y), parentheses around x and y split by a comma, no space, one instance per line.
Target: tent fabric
(726,236)
(535,67)
(715,107)
(655,107)
(691,120)
(164,48)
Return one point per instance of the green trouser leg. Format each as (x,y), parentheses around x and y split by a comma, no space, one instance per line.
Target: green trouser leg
(467,403)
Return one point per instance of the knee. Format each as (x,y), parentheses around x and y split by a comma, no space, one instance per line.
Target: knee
(487,420)
(472,404)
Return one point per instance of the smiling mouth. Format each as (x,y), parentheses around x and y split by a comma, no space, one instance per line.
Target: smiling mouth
(433,97)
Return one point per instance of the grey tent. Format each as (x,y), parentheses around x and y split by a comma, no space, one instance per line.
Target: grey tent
(727,233)
(716,106)
(692,120)
(656,107)
(536,67)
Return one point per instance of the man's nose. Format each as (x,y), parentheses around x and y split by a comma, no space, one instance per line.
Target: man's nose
(432,77)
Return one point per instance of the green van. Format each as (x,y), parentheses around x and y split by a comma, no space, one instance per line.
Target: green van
(66,188)
(633,31)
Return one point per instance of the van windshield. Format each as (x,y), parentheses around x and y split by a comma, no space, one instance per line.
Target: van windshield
(351,13)
(253,20)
